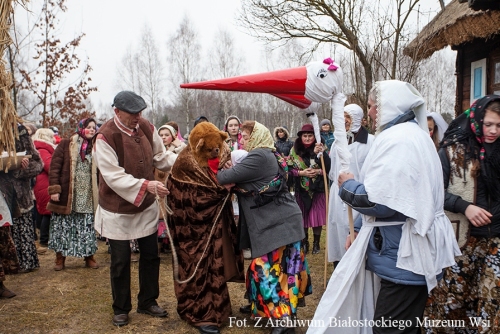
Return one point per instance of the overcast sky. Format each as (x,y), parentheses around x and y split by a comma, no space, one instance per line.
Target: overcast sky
(111,26)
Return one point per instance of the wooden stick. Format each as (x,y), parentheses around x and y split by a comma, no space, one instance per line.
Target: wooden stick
(327,195)
(351,223)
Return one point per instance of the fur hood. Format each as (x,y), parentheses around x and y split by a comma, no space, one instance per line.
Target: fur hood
(287,134)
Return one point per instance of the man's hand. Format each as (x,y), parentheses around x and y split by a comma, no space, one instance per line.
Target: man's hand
(344,177)
(477,216)
(228,164)
(25,163)
(348,240)
(156,187)
(55,197)
(228,186)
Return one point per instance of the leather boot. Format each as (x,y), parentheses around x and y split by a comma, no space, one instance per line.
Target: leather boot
(5,293)
(59,261)
(316,244)
(90,262)
(305,242)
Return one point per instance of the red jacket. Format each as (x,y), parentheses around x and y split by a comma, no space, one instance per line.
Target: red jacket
(42,180)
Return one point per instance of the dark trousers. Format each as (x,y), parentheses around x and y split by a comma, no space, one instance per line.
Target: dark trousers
(149,271)
(43,224)
(398,307)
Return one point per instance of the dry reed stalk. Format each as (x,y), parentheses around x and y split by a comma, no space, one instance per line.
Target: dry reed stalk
(8,115)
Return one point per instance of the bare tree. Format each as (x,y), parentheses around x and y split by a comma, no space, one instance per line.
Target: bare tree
(61,102)
(183,58)
(347,23)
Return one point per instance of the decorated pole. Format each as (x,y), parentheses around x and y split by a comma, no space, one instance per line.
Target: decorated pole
(305,87)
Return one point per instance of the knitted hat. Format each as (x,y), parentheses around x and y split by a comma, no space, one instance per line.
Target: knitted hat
(325,121)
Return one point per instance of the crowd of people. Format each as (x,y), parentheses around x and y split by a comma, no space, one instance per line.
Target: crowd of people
(220,196)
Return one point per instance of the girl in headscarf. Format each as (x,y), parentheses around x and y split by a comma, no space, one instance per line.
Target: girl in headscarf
(271,225)
(73,197)
(470,157)
(169,137)
(437,127)
(309,183)
(232,127)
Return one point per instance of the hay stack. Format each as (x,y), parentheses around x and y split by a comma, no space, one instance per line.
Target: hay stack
(8,115)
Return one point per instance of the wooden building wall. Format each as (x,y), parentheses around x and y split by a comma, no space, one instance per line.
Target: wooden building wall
(471,52)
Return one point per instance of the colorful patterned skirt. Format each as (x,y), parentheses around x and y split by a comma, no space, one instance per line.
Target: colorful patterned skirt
(23,234)
(469,289)
(277,280)
(73,234)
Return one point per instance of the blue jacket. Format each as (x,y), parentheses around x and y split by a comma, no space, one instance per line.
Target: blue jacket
(329,138)
(382,252)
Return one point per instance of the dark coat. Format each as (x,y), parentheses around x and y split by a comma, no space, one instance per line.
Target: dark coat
(275,224)
(61,175)
(283,145)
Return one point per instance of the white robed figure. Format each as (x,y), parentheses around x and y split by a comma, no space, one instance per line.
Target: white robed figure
(402,172)
(359,142)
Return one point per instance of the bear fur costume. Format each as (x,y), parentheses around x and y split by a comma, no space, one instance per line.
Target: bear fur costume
(203,217)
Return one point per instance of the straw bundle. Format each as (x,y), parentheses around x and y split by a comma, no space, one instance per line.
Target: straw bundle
(8,115)
(455,25)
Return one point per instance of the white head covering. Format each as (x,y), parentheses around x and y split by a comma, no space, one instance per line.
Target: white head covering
(396,97)
(356,113)
(440,122)
(169,128)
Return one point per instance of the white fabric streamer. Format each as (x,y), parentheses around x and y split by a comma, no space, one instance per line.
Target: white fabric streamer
(338,122)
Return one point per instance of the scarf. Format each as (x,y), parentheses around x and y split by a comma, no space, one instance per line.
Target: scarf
(260,138)
(80,129)
(467,130)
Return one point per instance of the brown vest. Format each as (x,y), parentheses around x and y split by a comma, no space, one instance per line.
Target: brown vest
(135,155)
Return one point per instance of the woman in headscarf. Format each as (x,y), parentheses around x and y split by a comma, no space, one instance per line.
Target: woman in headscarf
(232,127)
(359,145)
(437,127)
(73,197)
(309,183)
(271,225)
(20,201)
(470,157)
(44,142)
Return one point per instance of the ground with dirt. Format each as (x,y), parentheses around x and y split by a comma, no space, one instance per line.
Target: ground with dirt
(78,299)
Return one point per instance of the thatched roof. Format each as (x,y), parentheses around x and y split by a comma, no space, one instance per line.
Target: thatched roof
(454,25)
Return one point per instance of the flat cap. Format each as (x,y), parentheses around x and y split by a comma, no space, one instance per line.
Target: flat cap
(129,102)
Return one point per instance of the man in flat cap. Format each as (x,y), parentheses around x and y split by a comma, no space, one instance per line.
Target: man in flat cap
(126,149)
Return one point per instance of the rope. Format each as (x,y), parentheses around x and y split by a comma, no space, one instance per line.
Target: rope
(174,253)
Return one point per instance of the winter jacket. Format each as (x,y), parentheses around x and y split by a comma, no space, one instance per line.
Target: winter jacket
(61,175)
(283,145)
(21,178)
(329,138)
(46,150)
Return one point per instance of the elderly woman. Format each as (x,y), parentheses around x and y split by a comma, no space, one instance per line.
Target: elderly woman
(73,197)
(271,225)
(309,183)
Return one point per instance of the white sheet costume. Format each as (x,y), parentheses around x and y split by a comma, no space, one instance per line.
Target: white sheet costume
(402,171)
(338,222)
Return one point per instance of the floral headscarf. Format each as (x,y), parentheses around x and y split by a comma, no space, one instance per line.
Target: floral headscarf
(260,138)
(86,144)
(467,129)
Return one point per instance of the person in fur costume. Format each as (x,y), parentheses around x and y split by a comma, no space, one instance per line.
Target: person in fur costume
(203,231)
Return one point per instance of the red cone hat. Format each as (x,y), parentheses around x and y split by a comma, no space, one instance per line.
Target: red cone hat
(297,100)
(289,82)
